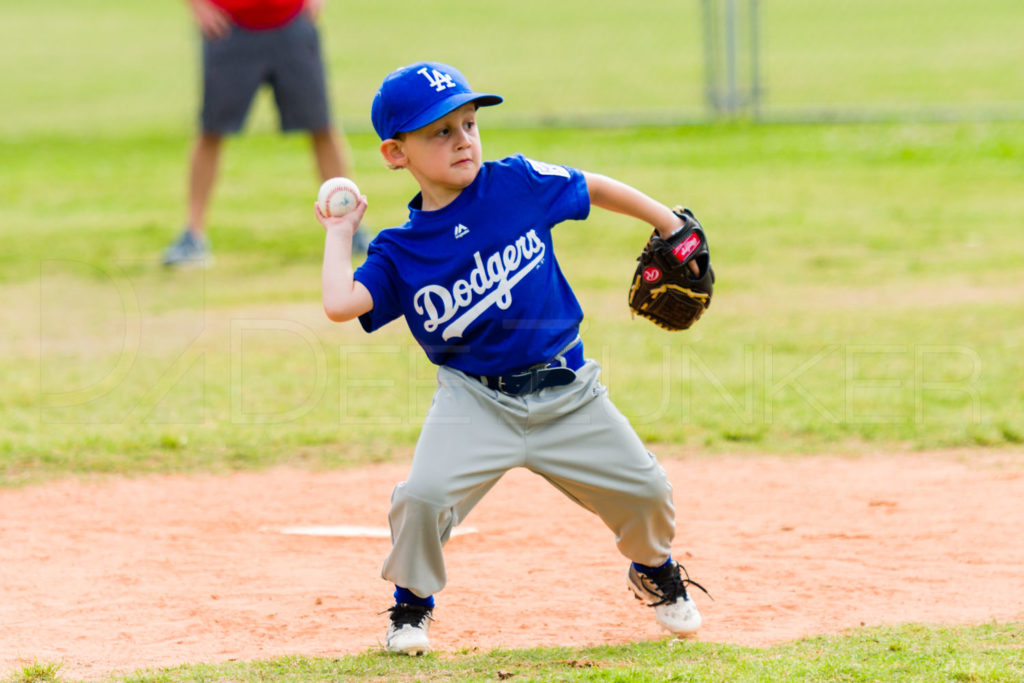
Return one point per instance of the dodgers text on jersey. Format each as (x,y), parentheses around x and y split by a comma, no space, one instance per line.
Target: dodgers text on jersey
(492,281)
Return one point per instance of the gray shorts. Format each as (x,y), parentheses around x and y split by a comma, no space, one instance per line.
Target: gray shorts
(286,58)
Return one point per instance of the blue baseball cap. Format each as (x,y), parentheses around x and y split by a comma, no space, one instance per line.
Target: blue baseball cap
(417,94)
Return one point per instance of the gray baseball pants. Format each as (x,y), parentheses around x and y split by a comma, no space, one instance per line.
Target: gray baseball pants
(572,435)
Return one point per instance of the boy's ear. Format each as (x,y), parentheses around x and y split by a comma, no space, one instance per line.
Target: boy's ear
(393,152)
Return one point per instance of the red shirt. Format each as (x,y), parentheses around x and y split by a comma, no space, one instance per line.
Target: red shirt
(261,14)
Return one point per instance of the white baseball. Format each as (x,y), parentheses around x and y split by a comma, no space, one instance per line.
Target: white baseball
(337,197)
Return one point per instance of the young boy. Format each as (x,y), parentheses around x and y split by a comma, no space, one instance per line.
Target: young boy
(474,274)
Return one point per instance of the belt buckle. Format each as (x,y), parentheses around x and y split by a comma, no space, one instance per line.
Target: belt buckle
(510,387)
(518,384)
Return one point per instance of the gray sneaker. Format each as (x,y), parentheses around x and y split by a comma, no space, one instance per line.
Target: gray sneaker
(188,250)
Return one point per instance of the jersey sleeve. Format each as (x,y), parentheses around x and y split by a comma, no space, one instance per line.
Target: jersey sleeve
(377,273)
(562,188)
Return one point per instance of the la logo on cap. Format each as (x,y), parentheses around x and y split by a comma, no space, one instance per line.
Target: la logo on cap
(438,80)
(402,104)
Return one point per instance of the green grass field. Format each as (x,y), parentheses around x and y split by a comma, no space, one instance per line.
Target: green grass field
(870,292)
(908,653)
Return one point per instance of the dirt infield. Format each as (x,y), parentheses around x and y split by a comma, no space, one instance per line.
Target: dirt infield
(129,573)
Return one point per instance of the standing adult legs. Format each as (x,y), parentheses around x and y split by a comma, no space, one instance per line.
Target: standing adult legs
(202,176)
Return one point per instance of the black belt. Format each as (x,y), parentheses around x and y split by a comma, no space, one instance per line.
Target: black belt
(557,373)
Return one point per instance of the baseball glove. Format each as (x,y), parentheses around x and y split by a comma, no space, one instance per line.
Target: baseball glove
(665,289)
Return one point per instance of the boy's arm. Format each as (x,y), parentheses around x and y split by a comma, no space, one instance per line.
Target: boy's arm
(616,196)
(344,298)
(619,197)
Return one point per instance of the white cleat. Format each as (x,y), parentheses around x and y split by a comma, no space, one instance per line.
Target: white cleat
(407,630)
(666,593)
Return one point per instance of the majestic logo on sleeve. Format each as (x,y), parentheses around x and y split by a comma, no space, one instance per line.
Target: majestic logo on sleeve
(489,283)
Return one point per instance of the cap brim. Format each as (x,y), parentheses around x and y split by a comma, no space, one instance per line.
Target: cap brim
(447,106)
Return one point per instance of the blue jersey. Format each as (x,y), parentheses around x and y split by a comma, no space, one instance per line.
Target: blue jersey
(477,280)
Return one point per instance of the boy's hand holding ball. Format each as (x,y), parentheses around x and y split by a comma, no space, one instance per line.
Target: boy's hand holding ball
(339,198)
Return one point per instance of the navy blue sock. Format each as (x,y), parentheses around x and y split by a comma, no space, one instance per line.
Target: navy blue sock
(651,571)
(404,595)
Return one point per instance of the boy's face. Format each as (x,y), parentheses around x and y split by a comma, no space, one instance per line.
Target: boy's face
(444,156)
